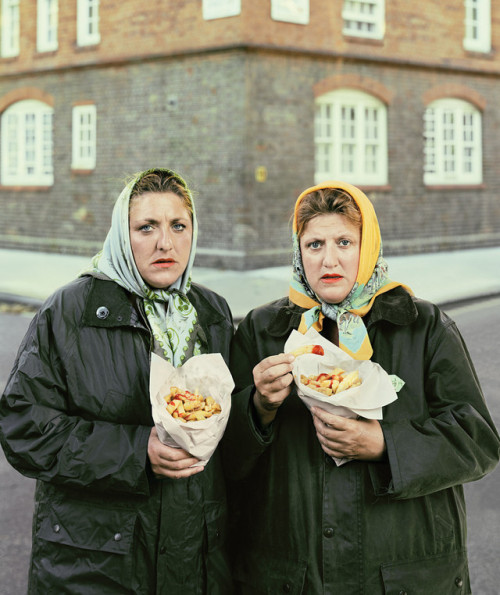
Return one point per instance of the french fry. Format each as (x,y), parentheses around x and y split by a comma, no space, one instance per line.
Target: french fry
(348,381)
(186,406)
(332,383)
(316,349)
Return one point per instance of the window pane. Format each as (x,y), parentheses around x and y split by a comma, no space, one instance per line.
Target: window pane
(364,18)
(352,124)
(453,151)
(26,144)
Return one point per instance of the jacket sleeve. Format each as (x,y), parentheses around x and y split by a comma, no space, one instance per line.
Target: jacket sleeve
(243,442)
(455,441)
(42,438)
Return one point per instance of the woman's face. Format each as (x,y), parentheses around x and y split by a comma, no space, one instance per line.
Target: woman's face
(330,246)
(161,233)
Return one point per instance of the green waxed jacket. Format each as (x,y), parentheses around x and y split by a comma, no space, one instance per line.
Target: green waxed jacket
(76,416)
(301,524)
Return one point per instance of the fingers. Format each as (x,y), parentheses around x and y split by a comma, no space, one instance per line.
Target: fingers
(341,437)
(329,420)
(167,461)
(273,367)
(273,374)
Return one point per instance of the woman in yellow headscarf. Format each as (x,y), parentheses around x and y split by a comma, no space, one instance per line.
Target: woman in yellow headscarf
(392,518)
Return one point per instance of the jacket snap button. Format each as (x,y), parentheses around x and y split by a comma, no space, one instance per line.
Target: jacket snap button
(102,312)
(56,528)
(287,588)
(459,582)
(328,532)
(117,537)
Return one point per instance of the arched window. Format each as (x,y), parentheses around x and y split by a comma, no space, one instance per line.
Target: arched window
(453,143)
(26,139)
(351,138)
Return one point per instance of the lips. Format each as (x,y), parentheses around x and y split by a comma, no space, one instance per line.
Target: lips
(331,278)
(164,263)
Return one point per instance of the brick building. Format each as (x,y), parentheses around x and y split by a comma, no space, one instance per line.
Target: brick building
(252,101)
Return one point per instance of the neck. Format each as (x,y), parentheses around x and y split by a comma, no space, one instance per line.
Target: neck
(330,330)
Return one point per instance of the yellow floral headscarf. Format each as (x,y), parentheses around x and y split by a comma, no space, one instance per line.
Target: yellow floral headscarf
(371,281)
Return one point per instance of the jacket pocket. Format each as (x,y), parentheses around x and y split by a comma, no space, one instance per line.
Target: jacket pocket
(77,524)
(446,574)
(264,574)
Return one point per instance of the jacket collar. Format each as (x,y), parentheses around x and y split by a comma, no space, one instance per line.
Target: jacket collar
(395,306)
(110,305)
(205,309)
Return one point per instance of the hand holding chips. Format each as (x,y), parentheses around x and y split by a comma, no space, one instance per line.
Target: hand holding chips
(177,393)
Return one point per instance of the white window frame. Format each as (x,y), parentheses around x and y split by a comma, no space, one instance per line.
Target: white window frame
(26,144)
(364,18)
(87,29)
(47,22)
(290,11)
(351,138)
(477,26)
(84,137)
(452,143)
(10,28)
(219,9)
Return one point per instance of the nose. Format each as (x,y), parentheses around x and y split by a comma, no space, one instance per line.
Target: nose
(164,241)
(330,256)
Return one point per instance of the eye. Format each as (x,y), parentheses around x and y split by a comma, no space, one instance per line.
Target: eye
(146,227)
(178,227)
(344,242)
(314,245)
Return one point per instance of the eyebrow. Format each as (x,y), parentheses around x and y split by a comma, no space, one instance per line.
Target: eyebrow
(152,220)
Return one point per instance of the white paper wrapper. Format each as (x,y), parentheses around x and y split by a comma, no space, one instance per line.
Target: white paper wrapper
(366,400)
(209,375)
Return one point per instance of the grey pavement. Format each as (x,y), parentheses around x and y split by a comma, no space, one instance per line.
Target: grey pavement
(440,277)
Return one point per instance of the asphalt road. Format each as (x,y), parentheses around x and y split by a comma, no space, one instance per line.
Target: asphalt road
(479,324)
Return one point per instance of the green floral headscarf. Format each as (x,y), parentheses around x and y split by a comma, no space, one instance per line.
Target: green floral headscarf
(171,316)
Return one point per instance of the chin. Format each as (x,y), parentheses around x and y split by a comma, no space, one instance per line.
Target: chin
(332,298)
(162,283)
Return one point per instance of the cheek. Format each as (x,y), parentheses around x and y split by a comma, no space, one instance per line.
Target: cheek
(311,265)
(183,248)
(355,265)
(139,248)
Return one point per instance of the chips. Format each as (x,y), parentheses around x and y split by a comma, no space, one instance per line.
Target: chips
(315,349)
(332,383)
(187,406)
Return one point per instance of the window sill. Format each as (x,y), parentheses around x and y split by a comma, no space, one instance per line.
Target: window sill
(350,38)
(87,47)
(480,54)
(374,187)
(17,188)
(80,171)
(454,187)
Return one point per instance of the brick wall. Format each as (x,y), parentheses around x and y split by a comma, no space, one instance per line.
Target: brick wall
(238,123)
(427,31)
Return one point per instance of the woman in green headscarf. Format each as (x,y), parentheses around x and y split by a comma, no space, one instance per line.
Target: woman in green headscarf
(392,518)
(117,511)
